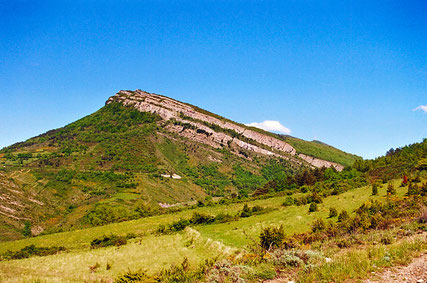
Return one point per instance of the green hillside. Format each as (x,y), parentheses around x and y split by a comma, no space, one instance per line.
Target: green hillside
(114,159)
(320,215)
(321,150)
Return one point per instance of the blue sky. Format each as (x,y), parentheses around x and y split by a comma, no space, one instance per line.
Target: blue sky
(349,73)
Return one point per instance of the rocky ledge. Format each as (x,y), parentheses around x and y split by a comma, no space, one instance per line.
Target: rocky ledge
(201,126)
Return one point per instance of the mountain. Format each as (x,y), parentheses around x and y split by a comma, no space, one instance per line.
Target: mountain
(143,152)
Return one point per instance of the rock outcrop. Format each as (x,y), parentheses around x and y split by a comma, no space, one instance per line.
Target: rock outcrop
(201,126)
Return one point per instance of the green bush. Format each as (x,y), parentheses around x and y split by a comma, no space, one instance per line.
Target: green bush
(374,189)
(223,218)
(32,250)
(110,240)
(343,216)
(27,229)
(288,201)
(390,189)
(333,212)
(179,225)
(271,237)
(313,207)
(318,225)
(246,211)
(199,218)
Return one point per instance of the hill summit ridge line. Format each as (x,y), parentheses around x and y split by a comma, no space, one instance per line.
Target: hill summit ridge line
(207,128)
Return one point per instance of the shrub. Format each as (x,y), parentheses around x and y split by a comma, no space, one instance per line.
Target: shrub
(343,216)
(374,189)
(111,240)
(288,201)
(32,250)
(271,237)
(390,189)
(422,219)
(199,218)
(133,276)
(333,212)
(27,229)
(246,211)
(285,258)
(223,218)
(224,271)
(413,189)
(179,225)
(318,225)
(313,207)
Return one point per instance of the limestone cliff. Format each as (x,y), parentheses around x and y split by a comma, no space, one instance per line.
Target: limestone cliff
(199,125)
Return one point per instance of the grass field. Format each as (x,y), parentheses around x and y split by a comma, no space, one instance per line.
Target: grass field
(150,252)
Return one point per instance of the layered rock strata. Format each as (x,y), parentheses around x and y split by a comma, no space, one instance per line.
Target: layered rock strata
(198,125)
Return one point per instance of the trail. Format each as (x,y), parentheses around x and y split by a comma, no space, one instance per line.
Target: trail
(416,271)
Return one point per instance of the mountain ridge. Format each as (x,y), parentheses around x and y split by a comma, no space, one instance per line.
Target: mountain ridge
(117,159)
(206,122)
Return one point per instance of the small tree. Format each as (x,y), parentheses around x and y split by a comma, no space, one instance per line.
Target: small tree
(313,207)
(246,211)
(413,189)
(271,237)
(390,189)
(374,189)
(332,212)
(27,229)
(318,225)
(343,216)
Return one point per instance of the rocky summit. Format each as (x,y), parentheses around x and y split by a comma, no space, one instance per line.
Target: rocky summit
(143,152)
(199,125)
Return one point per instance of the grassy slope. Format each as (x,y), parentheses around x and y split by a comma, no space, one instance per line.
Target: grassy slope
(321,150)
(157,252)
(312,148)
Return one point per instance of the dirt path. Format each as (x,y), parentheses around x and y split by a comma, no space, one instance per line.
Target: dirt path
(414,272)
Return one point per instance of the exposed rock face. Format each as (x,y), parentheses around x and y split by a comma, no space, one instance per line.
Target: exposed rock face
(204,127)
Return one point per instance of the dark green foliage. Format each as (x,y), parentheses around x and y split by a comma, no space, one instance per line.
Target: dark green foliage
(246,181)
(390,189)
(249,211)
(405,159)
(144,210)
(313,207)
(375,189)
(179,225)
(224,218)
(110,240)
(343,216)
(271,237)
(209,178)
(103,214)
(413,189)
(246,211)
(333,212)
(199,218)
(31,250)
(318,225)
(370,215)
(27,229)
(288,201)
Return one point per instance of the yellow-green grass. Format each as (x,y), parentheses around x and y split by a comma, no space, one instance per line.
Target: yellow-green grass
(151,254)
(360,263)
(156,252)
(294,218)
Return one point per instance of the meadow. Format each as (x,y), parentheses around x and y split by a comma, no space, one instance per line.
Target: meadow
(151,252)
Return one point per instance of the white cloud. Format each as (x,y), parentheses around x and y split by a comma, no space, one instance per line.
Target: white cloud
(271,126)
(422,108)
